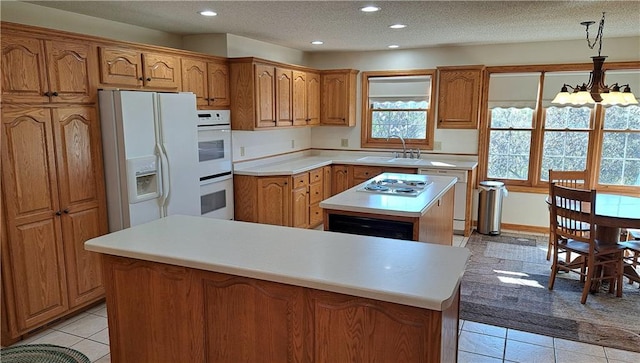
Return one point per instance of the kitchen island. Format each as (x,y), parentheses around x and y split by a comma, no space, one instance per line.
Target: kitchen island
(378,207)
(196,289)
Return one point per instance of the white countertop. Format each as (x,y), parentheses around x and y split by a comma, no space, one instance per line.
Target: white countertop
(354,200)
(305,163)
(411,273)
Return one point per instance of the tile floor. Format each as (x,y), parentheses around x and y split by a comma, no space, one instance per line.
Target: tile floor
(478,343)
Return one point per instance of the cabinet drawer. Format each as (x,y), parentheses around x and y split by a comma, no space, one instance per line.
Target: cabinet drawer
(315,176)
(300,180)
(315,193)
(366,172)
(315,215)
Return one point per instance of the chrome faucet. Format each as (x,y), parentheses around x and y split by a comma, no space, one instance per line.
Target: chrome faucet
(404,147)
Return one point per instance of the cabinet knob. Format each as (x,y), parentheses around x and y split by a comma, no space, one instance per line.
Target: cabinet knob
(140,79)
(55,94)
(66,211)
(148,79)
(47,94)
(58,213)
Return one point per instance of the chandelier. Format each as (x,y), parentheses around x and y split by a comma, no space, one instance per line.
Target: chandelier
(596,91)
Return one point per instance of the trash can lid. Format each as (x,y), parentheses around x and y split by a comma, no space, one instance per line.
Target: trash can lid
(491,184)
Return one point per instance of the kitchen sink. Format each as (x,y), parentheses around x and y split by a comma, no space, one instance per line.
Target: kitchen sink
(404,160)
(377,159)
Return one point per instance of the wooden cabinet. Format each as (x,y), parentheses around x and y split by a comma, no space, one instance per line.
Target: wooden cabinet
(209,81)
(306,98)
(208,316)
(137,69)
(281,200)
(300,201)
(340,179)
(47,71)
(284,97)
(338,97)
(54,201)
(459,90)
(267,94)
(362,173)
(273,200)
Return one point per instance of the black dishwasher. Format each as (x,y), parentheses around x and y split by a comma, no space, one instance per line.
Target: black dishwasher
(370,226)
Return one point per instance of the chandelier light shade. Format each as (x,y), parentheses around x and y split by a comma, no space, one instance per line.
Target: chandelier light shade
(595,91)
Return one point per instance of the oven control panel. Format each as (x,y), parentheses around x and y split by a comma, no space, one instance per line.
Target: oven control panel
(214,117)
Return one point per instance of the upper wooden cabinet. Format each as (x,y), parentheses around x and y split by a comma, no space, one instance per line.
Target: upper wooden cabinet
(137,69)
(459,90)
(47,71)
(266,94)
(209,81)
(56,152)
(338,97)
(306,98)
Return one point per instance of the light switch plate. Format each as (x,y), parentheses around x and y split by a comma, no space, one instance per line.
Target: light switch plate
(344,142)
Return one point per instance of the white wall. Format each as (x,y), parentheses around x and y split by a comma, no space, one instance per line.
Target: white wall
(214,44)
(23,13)
(257,144)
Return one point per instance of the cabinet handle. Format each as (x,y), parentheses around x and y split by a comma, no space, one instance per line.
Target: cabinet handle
(285,183)
(58,213)
(66,211)
(55,94)
(47,94)
(140,79)
(148,79)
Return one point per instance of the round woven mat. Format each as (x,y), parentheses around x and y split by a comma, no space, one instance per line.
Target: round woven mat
(41,353)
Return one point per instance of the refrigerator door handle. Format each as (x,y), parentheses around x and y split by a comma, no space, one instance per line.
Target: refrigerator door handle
(164,162)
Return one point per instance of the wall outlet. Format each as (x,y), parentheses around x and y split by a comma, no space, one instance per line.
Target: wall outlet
(437,145)
(344,142)
(293,144)
(241,150)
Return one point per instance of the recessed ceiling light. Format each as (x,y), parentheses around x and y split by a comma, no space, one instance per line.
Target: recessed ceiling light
(317,42)
(393,46)
(397,26)
(370,9)
(208,13)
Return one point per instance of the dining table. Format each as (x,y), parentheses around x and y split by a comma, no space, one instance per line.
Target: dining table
(615,212)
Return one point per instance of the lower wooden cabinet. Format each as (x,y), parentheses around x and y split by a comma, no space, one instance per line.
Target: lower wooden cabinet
(281,200)
(165,313)
(53,201)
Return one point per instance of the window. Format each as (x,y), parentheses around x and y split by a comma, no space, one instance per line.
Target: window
(526,135)
(397,104)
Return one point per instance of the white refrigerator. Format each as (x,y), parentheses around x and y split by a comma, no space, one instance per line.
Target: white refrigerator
(150,151)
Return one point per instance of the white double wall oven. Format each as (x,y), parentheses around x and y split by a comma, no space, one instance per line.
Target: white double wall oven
(215,164)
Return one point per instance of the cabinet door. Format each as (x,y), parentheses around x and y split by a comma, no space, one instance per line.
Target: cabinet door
(300,207)
(120,67)
(273,200)
(34,255)
(80,177)
(313,99)
(23,70)
(70,69)
(284,94)
(219,84)
(339,179)
(265,98)
(459,98)
(161,71)
(299,98)
(338,98)
(326,181)
(194,79)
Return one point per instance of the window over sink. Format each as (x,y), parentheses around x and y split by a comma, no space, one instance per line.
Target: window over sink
(398,103)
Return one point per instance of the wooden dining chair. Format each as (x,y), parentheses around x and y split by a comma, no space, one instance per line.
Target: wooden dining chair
(576,179)
(632,255)
(571,210)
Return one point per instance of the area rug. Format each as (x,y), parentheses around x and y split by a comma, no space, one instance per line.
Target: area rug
(41,353)
(505,284)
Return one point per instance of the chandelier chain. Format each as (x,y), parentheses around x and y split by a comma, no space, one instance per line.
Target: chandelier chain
(598,38)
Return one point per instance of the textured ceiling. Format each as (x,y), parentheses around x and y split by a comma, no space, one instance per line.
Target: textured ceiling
(343,27)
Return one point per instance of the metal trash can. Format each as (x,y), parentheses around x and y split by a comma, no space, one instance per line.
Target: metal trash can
(490,206)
